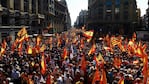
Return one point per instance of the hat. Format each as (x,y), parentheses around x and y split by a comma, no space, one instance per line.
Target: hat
(138,79)
(81,78)
(77,70)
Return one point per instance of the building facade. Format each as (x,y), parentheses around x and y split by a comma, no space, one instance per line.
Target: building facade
(14,14)
(62,21)
(81,19)
(112,16)
(34,14)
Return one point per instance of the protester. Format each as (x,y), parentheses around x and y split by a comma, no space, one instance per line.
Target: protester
(64,61)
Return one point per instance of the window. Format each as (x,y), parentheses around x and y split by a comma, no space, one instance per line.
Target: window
(5,20)
(126,15)
(108,3)
(40,6)
(34,6)
(26,5)
(126,2)
(108,16)
(117,3)
(17,21)
(16,4)
(4,3)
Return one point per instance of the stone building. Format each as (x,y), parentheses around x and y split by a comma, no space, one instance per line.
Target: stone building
(81,19)
(34,14)
(112,16)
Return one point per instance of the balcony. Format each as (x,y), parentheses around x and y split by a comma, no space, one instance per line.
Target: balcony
(41,16)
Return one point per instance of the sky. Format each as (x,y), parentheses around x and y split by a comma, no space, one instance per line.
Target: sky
(75,6)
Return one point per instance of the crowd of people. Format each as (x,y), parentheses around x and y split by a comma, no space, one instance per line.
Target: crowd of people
(78,67)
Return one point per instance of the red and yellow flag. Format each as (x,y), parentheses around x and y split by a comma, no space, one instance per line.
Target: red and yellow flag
(22,32)
(83,63)
(65,53)
(115,41)
(92,50)
(2,51)
(58,41)
(38,41)
(29,49)
(43,64)
(4,44)
(103,77)
(96,77)
(20,48)
(88,34)
(145,68)
(121,81)
(117,62)
(43,47)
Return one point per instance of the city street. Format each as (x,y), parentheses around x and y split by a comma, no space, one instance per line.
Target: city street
(42,43)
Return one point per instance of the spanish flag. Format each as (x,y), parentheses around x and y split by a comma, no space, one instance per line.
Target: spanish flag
(103,77)
(88,34)
(25,37)
(92,50)
(96,77)
(38,40)
(22,32)
(43,64)
(43,48)
(4,44)
(99,59)
(29,49)
(2,51)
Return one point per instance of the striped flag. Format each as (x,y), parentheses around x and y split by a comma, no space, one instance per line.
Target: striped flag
(38,41)
(114,41)
(22,32)
(43,64)
(88,34)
